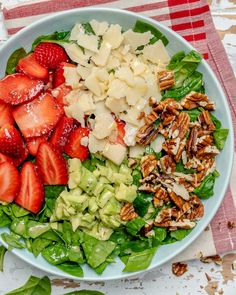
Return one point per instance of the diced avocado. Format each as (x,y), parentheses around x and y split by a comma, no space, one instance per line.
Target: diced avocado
(88,181)
(75,254)
(19,226)
(75,199)
(100,231)
(82,220)
(125,170)
(104,197)
(112,207)
(35,229)
(74,172)
(126,193)
(111,221)
(100,186)
(109,164)
(92,205)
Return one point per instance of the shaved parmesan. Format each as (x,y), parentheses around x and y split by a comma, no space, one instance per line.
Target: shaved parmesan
(138,67)
(116,105)
(76,30)
(83,71)
(125,74)
(115,152)
(100,58)
(76,54)
(130,134)
(135,39)
(85,102)
(99,28)
(156,145)
(156,53)
(136,151)
(104,124)
(113,36)
(71,77)
(74,111)
(92,83)
(89,42)
(132,96)
(181,191)
(96,145)
(117,89)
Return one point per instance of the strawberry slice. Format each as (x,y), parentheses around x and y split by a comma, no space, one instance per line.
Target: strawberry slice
(50,54)
(61,133)
(11,142)
(30,67)
(18,161)
(31,195)
(5,158)
(60,92)
(33,143)
(51,164)
(9,182)
(74,146)
(6,114)
(39,116)
(58,77)
(18,88)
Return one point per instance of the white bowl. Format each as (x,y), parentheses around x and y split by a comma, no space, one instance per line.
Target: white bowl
(65,21)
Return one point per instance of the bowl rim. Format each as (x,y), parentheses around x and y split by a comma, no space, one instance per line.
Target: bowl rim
(230,139)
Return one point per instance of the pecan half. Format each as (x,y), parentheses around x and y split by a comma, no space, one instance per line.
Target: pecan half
(195,99)
(207,152)
(205,120)
(151,117)
(127,212)
(146,134)
(167,164)
(148,188)
(148,164)
(166,79)
(204,140)
(179,202)
(168,104)
(161,197)
(179,268)
(174,147)
(180,127)
(196,210)
(192,141)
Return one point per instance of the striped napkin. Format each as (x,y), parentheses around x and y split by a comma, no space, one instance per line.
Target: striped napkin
(192,20)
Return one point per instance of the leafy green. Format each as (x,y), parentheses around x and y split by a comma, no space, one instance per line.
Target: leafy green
(141,203)
(88,29)
(14,59)
(13,240)
(193,114)
(175,60)
(51,194)
(92,162)
(216,122)
(4,219)
(85,292)
(2,254)
(19,211)
(73,269)
(119,236)
(139,261)
(55,254)
(19,226)
(138,245)
(180,168)
(134,226)
(179,234)
(34,286)
(142,27)
(137,175)
(38,245)
(62,35)
(220,136)
(160,233)
(205,189)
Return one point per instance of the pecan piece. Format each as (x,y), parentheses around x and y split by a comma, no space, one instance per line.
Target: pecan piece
(180,127)
(174,147)
(146,134)
(204,141)
(148,164)
(167,164)
(195,99)
(205,120)
(151,118)
(166,79)
(127,212)
(192,141)
(168,104)
(161,197)
(207,152)
(179,202)
(179,268)
(148,188)
(196,210)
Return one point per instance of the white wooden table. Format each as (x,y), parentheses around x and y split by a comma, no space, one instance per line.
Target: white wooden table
(221,279)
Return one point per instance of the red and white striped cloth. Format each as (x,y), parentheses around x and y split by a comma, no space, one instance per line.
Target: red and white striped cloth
(192,20)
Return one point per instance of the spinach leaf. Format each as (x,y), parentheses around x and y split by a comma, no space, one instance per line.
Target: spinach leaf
(180,168)
(34,285)
(137,175)
(51,194)
(160,233)
(134,226)
(13,240)
(19,226)
(137,246)
(51,236)
(85,292)
(41,39)
(38,245)
(96,251)
(142,27)
(216,122)
(62,35)
(179,234)
(14,59)
(139,261)
(19,211)
(4,219)
(175,60)
(55,254)
(88,29)
(73,269)
(119,236)
(75,254)
(205,189)
(220,136)
(193,114)
(141,203)
(36,229)
(2,254)
(168,240)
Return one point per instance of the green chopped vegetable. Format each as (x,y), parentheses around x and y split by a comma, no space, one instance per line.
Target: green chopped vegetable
(137,175)
(134,226)
(160,233)
(193,114)
(38,245)
(141,203)
(14,59)
(205,189)
(180,168)
(220,136)
(55,254)
(4,219)
(179,234)
(34,286)
(13,240)
(216,122)
(2,254)
(71,268)
(175,60)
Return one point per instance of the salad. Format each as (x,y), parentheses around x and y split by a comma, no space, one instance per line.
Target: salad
(107,146)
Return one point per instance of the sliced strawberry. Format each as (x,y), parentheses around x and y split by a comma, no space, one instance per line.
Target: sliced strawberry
(74,148)
(6,114)
(50,54)
(33,143)
(9,182)
(11,142)
(5,158)
(51,164)
(18,88)
(31,195)
(39,116)
(18,161)
(30,67)
(61,133)
(58,77)
(60,92)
